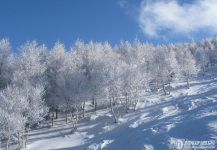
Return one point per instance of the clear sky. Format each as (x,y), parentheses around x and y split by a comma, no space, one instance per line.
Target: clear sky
(155,21)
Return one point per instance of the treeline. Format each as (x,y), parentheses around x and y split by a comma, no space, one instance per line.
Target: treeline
(38,81)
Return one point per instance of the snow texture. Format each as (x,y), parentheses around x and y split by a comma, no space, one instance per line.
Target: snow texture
(159,122)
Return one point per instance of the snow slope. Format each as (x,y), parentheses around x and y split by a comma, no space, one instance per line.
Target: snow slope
(158,123)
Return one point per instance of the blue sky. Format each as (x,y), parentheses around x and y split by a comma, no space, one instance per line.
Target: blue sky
(155,21)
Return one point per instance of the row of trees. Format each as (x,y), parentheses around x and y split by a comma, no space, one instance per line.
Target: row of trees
(36,79)
(22,89)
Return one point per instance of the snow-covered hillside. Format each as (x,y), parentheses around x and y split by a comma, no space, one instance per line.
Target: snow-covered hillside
(187,116)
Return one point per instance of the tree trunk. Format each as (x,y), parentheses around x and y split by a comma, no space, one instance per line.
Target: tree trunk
(111,105)
(19,140)
(83,109)
(187,80)
(165,92)
(95,104)
(124,110)
(22,138)
(118,114)
(57,111)
(9,138)
(136,101)
(76,120)
(66,116)
(203,71)
(53,116)
(127,104)
(124,107)
(27,134)
(188,84)
(169,88)
(8,141)
(73,119)
(156,86)
(72,113)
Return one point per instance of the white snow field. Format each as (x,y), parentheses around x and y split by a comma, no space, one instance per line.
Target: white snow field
(185,119)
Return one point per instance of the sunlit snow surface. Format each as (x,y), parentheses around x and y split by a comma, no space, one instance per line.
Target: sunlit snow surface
(159,121)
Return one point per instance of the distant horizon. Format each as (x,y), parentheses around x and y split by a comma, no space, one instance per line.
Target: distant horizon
(68,47)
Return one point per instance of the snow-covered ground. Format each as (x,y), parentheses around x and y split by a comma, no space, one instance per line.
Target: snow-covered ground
(187,117)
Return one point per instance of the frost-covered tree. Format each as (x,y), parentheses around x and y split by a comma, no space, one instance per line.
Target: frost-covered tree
(187,62)
(90,56)
(12,107)
(157,66)
(31,63)
(69,84)
(170,67)
(213,58)
(6,63)
(113,80)
(30,78)
(55,61)
(36,108)
(202,57)
(135,75)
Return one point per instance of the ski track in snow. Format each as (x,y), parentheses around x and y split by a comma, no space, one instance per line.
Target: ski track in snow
(159,121)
